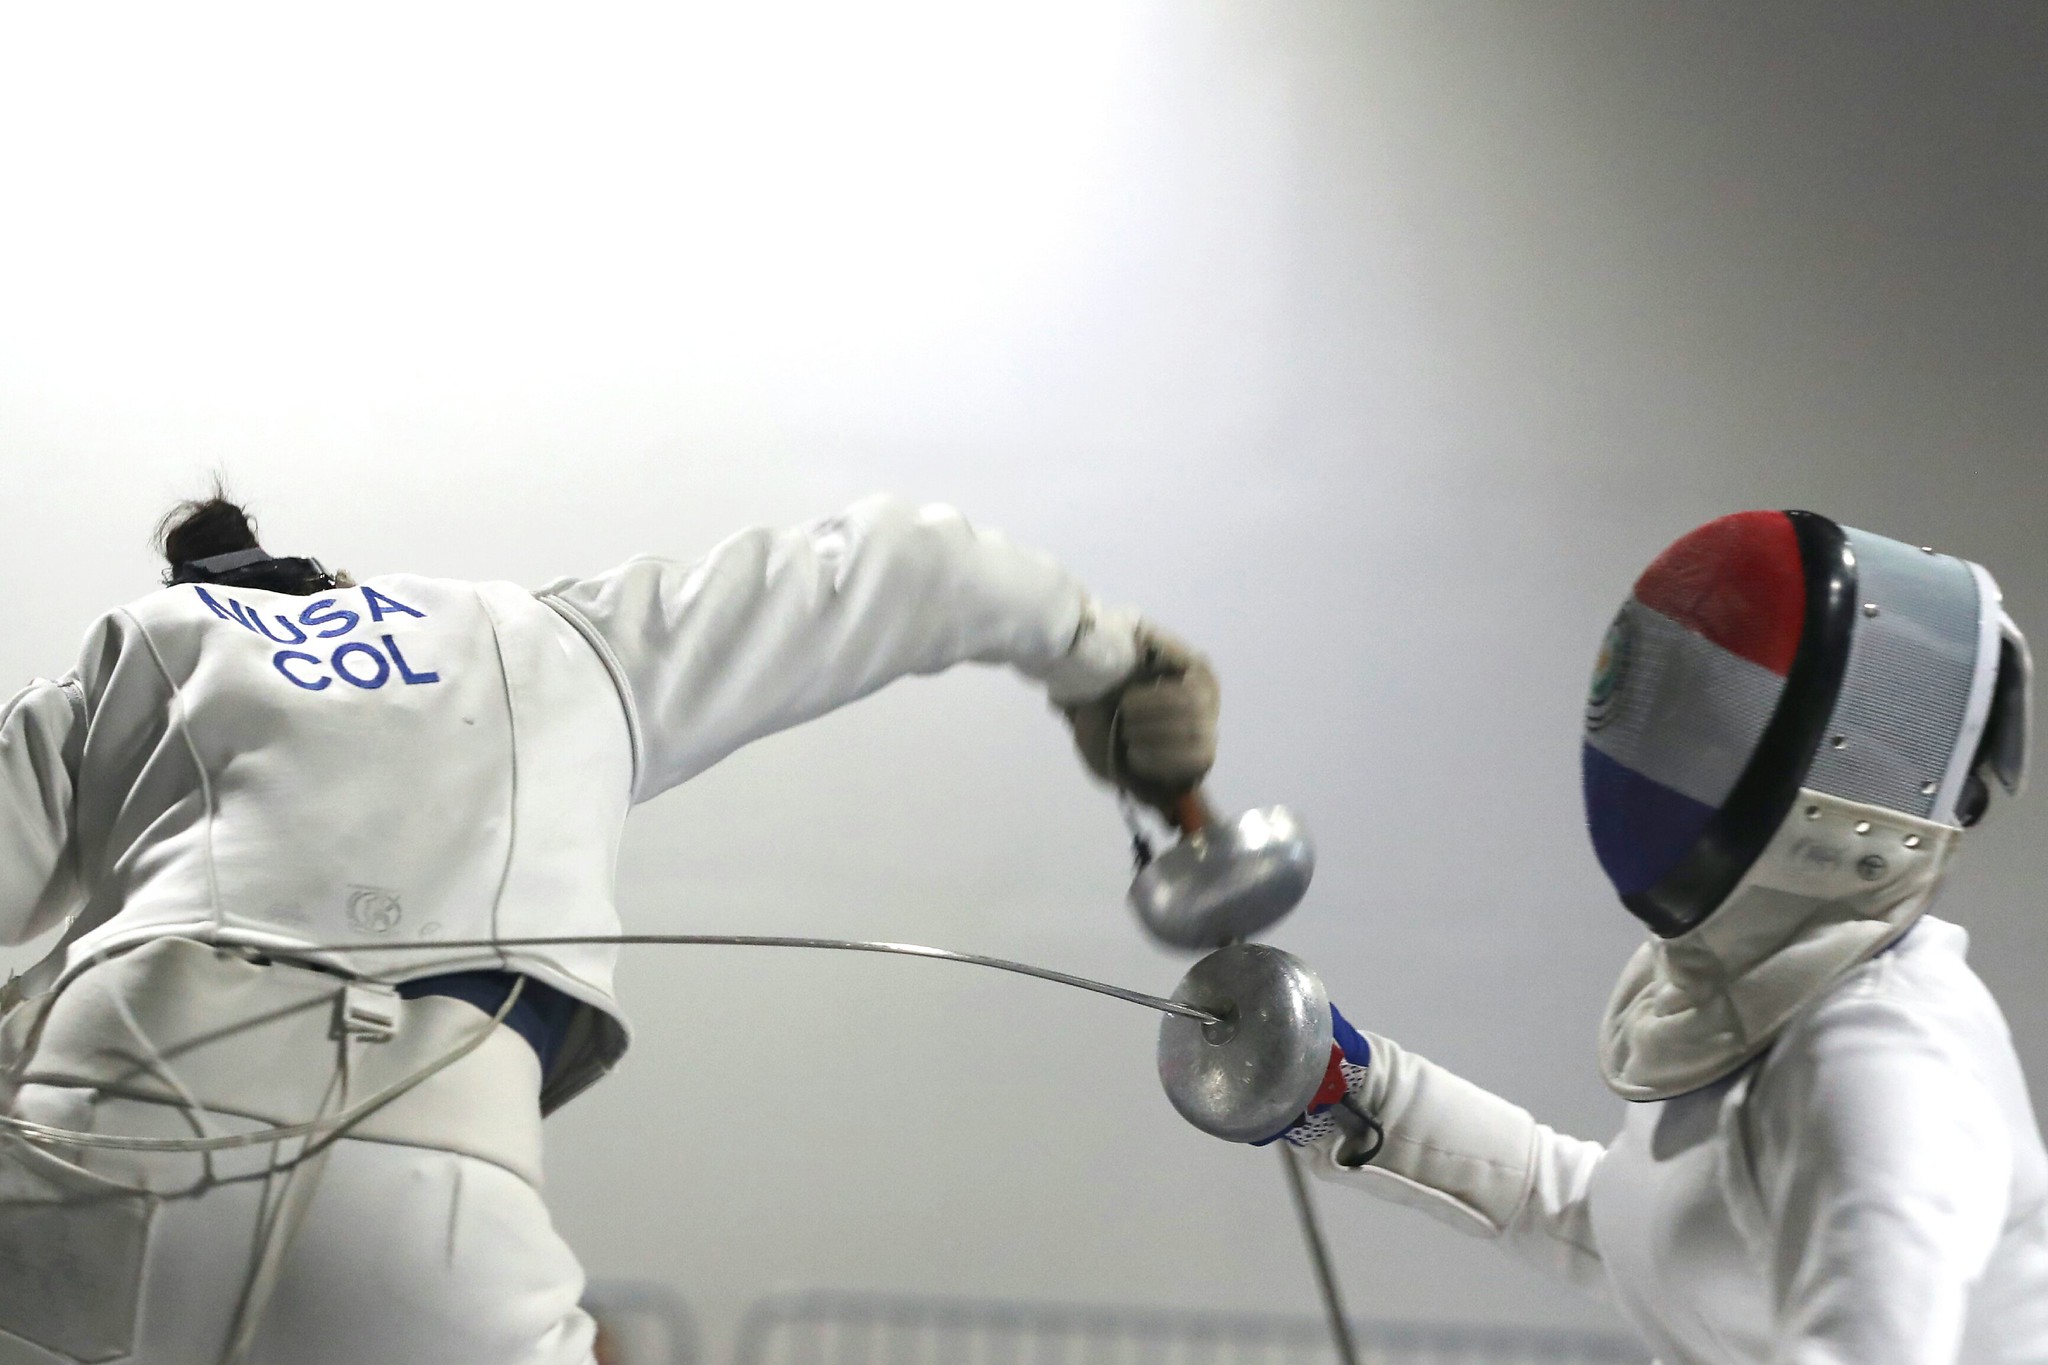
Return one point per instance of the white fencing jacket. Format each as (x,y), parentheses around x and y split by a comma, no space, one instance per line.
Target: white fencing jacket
(1872,1191)
(415,759)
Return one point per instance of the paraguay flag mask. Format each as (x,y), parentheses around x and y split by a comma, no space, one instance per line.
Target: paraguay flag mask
(1768,652)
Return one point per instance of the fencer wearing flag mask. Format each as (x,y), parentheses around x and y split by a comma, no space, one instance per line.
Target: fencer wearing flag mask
(1831,1158)
(224,1139)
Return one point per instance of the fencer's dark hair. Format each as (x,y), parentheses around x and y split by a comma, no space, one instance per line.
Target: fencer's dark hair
(212,539)
(199,528)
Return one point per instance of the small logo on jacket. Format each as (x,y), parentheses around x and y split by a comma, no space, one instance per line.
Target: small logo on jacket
(374,910)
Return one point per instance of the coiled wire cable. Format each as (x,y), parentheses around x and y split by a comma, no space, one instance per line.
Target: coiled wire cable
(275,1237)
(333,1124)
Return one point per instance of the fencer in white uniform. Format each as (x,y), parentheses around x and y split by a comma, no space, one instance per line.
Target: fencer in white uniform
(224,1138)
(1831,1158)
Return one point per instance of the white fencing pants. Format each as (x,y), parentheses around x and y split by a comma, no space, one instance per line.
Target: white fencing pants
(405,1256)
(418,1239)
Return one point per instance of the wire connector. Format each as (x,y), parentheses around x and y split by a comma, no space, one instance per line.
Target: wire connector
(367,1011)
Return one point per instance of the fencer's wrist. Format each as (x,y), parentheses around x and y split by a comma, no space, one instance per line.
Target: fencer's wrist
(1101,658)
(1448,1147)
(1369,1091)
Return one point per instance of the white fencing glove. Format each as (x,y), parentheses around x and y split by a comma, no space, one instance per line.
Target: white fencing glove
(1153,734)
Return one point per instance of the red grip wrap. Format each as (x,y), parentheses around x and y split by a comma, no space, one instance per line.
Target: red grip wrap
(1334,1085)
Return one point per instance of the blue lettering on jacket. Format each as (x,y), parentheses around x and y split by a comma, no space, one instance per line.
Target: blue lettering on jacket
(379,604)
(235,612)
(405,670)
(374,680)
(326,615)
(216,608)
(338,620)
(297,636)
(284,656)
(355,662)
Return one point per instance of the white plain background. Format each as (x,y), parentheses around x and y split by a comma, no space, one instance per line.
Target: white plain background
(1373,346)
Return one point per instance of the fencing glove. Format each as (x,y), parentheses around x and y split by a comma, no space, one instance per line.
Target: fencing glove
(1154,734)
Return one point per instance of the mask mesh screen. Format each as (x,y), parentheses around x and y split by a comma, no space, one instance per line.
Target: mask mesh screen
(1907,688)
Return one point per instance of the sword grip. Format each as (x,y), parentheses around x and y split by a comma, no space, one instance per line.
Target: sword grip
(1192,813)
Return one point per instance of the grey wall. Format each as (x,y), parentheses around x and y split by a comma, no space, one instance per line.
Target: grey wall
(1373,346)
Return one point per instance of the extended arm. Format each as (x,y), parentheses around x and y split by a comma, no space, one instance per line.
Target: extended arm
(1464,1156)
(42,731)
(777,627)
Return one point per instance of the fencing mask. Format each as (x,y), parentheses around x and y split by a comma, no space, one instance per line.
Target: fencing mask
(1768,652)
(1788,723)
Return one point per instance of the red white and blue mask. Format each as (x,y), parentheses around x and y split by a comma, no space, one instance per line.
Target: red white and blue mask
(1770,652)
